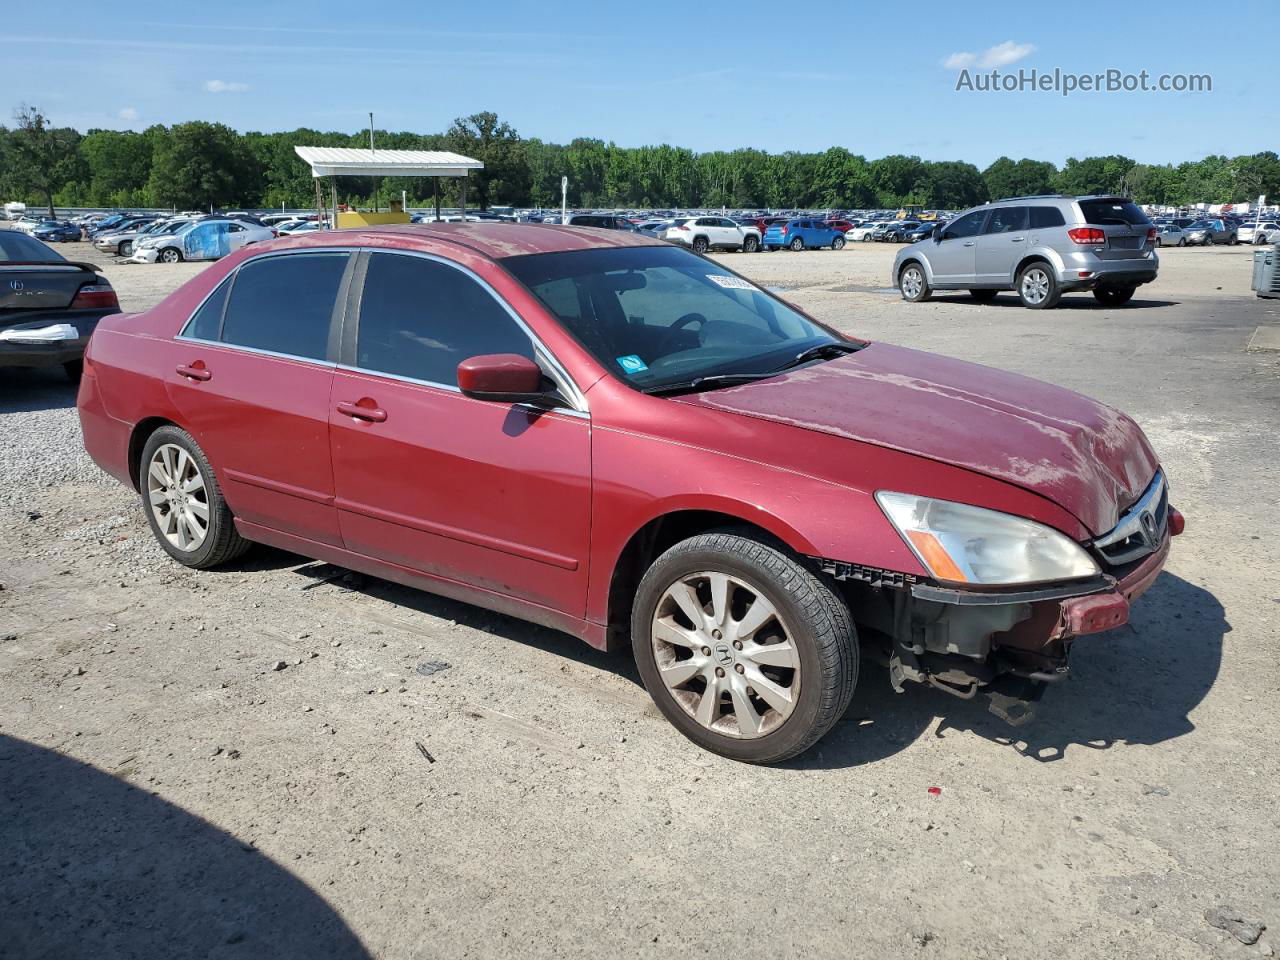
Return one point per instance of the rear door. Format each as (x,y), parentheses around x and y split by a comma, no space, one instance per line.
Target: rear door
(1123,223)
(1001,244)
(953,259)
(492,495)
(250,376)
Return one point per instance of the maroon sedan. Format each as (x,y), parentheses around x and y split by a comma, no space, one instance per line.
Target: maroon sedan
(620,439)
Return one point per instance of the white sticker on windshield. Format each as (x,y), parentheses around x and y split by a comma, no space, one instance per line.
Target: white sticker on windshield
(734,283)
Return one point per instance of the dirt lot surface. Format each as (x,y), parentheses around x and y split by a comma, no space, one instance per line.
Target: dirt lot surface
(254,762)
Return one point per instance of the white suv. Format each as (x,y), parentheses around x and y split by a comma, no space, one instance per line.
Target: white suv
(712,233)
(863,232)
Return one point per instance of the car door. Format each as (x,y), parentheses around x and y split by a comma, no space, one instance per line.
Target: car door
(250,376)
(953,259)
(495,496)
(237,236)
(1001,244)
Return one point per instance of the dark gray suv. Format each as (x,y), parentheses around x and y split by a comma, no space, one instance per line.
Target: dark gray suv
(1041,247)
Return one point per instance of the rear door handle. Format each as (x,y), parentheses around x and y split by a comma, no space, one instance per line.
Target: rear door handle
(358,412)
(195,371)
(1016,239)
(968,243)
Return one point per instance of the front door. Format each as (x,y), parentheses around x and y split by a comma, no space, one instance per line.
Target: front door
(250,376)
(953,258)
(1002,244)
(492,495)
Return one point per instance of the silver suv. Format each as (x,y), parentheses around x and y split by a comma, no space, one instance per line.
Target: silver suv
(1042,247)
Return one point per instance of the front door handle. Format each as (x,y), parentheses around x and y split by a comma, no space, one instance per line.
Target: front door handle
(1016,239)
(359,411)
(968,243)
(195,371)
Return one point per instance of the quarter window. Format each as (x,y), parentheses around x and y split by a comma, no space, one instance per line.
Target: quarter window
(1044,217)
(420,318)
(206,324)
(285,304)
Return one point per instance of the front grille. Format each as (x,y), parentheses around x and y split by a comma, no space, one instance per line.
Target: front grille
(1141,529)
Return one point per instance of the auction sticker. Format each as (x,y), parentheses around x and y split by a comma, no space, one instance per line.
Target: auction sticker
(733,283)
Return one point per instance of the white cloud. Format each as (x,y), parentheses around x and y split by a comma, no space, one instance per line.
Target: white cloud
(1001,55)
(128,114)
(225,86)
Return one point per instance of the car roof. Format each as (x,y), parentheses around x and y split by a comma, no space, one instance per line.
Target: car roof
(493,239)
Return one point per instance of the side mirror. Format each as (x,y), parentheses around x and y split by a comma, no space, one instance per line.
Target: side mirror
(501,378)
(937,234)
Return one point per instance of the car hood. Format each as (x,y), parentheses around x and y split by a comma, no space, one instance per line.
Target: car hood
(1088,458)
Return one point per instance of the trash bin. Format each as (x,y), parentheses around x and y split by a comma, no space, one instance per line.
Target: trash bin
(1266,271)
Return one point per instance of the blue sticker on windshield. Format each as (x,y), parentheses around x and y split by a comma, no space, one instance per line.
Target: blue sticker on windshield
(632,364)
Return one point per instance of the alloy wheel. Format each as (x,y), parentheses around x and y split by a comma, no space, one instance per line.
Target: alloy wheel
(1035,285)
(912,282)
(725,655)
(177,497)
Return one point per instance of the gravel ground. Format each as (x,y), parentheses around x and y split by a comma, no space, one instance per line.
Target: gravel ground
(259,761)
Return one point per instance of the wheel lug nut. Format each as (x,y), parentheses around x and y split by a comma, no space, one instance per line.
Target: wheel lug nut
(719,671)
(706,651)
(739,668)
(717,634)
(737,644)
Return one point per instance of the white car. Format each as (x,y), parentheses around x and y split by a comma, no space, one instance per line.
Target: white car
(1267,231)
(701,234)
(864,231)
(200,240)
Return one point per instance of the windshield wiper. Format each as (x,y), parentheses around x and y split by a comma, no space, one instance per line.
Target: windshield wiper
(819,352)
(714,380)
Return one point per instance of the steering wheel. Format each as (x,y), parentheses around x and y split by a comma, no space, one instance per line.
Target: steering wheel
(687,320)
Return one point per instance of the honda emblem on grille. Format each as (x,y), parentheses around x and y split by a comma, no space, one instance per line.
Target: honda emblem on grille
(1148,521)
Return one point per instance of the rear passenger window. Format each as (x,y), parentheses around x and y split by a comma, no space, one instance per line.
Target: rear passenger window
(284,304)
(420,318)
(1043,217)
(206,323)
(1007,220)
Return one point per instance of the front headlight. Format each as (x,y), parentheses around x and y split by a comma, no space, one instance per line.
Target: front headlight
(958,543)
(148,244)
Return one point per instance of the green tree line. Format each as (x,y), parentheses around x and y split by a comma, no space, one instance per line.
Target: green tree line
(198,165)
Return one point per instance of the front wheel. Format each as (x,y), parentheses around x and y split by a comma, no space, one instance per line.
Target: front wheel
(1158,243)
(837,243)
(747,652)
(1038,287)
(866,238)
(750,245)
(184,503)
(170,255)
(797,244)
(914,284)
(1182,241)
(126,249)
(1113,296)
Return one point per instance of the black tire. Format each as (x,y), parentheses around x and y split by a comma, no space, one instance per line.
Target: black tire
(819,624)
(74,370)
(837,243)
(1233,241)
(750,245)
(913,283)
(1182,241)
(771,248)
(170,255)
(983,296)
(1157,241)
(797,244)
(125,249)
(700,245)
(1113,296)
(1041,275)
(866,238)
(222,541)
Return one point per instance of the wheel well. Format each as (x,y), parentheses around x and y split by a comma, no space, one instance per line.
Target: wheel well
(1022,264)
(138,440)
(646,545)
(702,236)
(908,262)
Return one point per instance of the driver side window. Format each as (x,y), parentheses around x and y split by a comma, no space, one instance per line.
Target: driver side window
(970,225)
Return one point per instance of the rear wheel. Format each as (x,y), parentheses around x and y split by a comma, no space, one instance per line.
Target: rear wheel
(866,238)
(914,284)
(750,245)
(747,652)
(1182,241)
(1037,286)
(797,244)
(837,243)
(184,503)
(983,296)
(1158,243)
(1113,296)
(700,244)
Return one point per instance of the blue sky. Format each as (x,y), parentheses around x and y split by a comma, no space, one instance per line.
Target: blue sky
(711,75)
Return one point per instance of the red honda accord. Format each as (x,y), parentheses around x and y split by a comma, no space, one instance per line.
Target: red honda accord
(618,438)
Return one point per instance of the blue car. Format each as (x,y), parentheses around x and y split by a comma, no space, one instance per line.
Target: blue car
(802,234)
(56,231)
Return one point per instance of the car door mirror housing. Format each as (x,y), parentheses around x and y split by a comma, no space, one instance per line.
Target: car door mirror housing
(502,378)
(937,234)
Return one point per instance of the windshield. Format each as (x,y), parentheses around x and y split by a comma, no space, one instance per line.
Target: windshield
(660,315)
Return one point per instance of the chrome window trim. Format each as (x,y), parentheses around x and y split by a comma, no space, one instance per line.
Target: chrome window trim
(328,364)
(563,381)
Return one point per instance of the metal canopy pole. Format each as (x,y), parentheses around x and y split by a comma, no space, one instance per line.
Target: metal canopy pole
(333,200)
(464,198)
(435,195)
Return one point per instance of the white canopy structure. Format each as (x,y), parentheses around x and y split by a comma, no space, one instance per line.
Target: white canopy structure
(354,162)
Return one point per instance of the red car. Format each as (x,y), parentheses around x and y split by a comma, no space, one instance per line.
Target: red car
(844,226)
(615,437)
